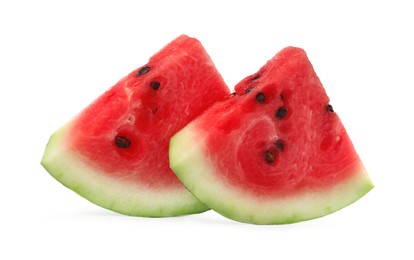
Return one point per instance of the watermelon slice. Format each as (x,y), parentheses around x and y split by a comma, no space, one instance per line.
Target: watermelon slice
(115,152)
(276,152)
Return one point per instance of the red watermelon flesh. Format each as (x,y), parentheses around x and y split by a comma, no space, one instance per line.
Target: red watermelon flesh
(115,152)
(277,152)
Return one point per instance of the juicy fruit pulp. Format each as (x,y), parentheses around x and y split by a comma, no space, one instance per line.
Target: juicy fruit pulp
(115,152)
(276,153)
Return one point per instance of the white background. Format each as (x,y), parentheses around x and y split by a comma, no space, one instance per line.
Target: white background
(55,58)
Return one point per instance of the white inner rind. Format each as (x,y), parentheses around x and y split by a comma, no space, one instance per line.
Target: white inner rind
(191,164)
(117,194)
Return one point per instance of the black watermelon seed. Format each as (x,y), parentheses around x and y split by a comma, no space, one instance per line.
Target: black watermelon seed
(329,108)
(269,157)
(281,113)
(280,145)
(122,142)
(260,97)
(232,94)
(155,85)
(248,90)
(256,77)
(143,71)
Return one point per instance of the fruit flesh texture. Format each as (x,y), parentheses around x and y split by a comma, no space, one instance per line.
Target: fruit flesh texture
(148,117)
(316,146)
(187,83)
(317,156)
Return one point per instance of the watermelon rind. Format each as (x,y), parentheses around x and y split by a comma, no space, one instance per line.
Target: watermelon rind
(190,162)
(116,194)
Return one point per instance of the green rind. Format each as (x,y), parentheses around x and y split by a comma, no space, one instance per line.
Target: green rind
(189,162)
(116,194)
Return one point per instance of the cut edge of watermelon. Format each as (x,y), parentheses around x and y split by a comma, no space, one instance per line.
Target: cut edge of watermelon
(111,193)
(188,161)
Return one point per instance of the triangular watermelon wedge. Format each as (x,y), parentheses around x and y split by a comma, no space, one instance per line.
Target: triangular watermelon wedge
(115,152)
(275,152)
